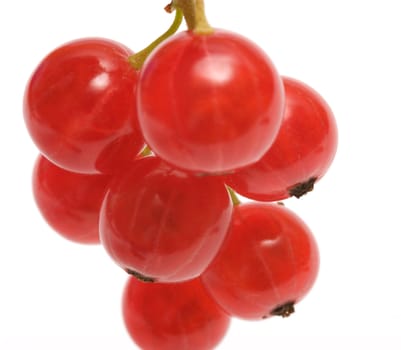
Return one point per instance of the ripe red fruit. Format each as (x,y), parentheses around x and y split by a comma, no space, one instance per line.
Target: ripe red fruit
(69,202)
(80,108)
(162,224)
(268,262)
(179,316)
(209,103)
(301,153)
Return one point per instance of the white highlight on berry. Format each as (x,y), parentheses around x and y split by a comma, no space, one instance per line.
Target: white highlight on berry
(216,68)
(101,81)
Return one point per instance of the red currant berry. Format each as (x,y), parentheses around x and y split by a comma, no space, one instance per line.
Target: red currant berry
(209,103)
(69,202)
(162,224)
(301,153)
(268,262)
(179,316)
(80,108)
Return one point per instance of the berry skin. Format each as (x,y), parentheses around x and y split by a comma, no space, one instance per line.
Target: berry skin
(268,263)
(209,103)
(80,109)
(180,316)
(162,224)
(69,202)
(301,153)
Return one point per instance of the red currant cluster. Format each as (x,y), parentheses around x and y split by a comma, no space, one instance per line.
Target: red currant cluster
(216,119)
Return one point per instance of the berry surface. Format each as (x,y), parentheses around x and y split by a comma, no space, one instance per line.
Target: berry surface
(180,316)
(80,108)
(301,153)
(268,262)
(69,202)
(162,224)
(209,103)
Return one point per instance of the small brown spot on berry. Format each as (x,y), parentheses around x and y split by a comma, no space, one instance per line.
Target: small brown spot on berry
(284,310)
(140,277)
(302,188)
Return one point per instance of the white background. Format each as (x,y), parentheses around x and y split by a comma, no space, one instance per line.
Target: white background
(58,295)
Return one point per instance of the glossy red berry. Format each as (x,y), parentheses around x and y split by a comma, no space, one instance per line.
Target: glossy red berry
(69,202)
(80,107)
(162,224)
(180,316)
(268,263)
(209,103)
(301,153)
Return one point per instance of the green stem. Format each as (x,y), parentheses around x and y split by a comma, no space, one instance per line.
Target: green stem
(234,197)
(202,25)
(146,152)
(195,16)
(139,58)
